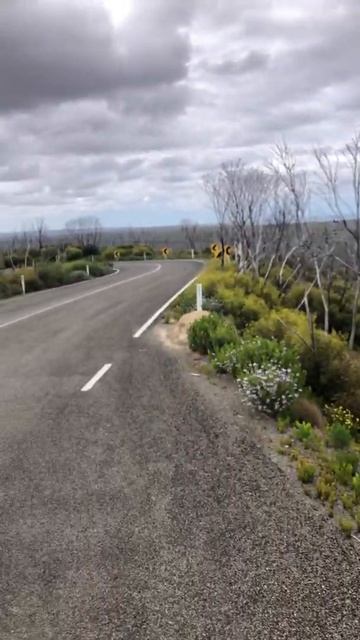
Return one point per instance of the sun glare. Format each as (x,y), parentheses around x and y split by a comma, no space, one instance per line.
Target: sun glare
(118,10)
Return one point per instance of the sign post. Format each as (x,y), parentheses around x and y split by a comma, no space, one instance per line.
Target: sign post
(199,297)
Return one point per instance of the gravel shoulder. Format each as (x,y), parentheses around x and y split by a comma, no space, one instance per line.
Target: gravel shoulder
(274,565)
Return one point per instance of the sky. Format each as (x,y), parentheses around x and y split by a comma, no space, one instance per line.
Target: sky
(117,108)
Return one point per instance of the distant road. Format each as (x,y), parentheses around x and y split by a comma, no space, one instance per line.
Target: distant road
(134,504)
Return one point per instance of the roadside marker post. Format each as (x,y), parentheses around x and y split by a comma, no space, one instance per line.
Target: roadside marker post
(22,280)
(145,256)
(192,254)
(87,270)
(199,297)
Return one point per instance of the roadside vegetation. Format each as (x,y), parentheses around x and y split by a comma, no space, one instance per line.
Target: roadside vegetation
(288,367)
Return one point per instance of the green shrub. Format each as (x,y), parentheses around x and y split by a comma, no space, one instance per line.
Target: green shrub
(357,518)
(32,281)
(141,249)
(238,357)
(225,359)
(51,275)
(76,276)
(339,436)
(303,431)
(264,290)
(325,489)
(346,525)
(108,253)
(350,457)
(343,473)
(73,253)
(326,368)
(5,287)
(295,295)
(244,308)
(356,485)
(282,423)
(184,303)
(347,501)
(210,333)
(305,471)
(97,270)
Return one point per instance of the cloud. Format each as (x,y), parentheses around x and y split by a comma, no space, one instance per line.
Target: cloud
(123,121)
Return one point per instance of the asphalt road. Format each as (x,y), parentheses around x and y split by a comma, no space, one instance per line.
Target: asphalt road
(137,510)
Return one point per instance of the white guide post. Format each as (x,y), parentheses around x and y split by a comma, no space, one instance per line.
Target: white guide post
(199,297)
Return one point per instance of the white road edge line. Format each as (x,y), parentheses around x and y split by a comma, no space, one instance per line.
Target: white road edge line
(158,313)
(76,298)
(89,385)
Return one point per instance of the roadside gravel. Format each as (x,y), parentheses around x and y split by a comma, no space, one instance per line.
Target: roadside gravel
(255,558)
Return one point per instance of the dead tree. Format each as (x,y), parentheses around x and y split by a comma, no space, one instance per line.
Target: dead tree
(190,229)
(247,193)
(215,185)
(84,232)
(40,231)
(346,209)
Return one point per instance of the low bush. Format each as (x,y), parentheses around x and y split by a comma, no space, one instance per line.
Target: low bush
(303,431)
(5,287)
(32,280)
(239,357)
(339,414)
(270,388)
(51,275)
(225,359)
(325,488)
(210,333)
(356,486)
(76,276)
(73,253)
(343,473)
(339,436)
(348,501)
(97,270)
(346,525)
(108,253)
(244,308)
(184,303)
(350,457)
(306,471)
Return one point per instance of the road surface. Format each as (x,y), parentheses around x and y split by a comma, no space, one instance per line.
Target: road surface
(131,506)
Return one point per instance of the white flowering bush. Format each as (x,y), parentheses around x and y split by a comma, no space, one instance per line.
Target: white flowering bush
(272,387)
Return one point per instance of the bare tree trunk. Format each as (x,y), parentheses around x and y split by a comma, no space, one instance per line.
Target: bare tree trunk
(268,271)
(310,323)
(288,255)
(354,314)
(323,297)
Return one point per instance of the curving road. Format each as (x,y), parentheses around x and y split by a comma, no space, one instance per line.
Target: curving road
(137,505)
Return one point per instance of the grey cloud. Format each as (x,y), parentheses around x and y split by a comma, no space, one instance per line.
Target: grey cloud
(66,50)
(251,61)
